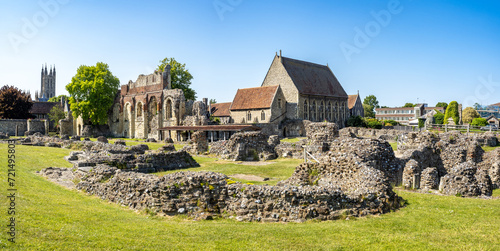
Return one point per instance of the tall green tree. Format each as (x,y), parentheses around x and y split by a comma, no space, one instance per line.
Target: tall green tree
(14,103)
(477,106)
(409,105)
(468,114)
(92,92)
(452,112)
(442,104)
(369,104)
(371,100)
(57,98)
(56,114)
(180,77)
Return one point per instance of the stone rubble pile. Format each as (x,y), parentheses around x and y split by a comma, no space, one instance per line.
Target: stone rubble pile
(198,143)
(466,180)
(244,146)
(454,156)
(197,193)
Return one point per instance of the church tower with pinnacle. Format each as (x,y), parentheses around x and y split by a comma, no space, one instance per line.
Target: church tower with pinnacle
(48,84)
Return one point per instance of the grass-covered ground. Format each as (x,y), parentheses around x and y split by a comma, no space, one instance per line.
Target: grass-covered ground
(50,217)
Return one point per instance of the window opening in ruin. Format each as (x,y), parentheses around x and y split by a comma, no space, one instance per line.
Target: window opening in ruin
(168,109)
(139,109)
(262,116)
(249,116)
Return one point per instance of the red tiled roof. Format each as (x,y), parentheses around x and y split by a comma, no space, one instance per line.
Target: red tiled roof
(254,98)
(42,107)
(220,109)
(351,100)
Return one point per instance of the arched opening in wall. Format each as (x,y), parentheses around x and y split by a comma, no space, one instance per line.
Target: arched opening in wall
(284,132)
(306,110)
(336,111)
(139,109)
(168,109)
(320,111)
(249,116)
(79,130)
(126,112)
(152,106)
(262,116)
(329,111)
(152,112)
(313,111)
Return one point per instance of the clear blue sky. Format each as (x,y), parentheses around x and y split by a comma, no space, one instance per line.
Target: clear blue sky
(423,50)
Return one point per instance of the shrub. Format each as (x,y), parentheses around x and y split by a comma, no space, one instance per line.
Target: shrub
(479,122)
(391,122)
(439,118)
(421,123)
(373,123)
(355,121)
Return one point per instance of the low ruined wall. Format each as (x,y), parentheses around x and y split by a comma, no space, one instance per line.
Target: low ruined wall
(9,126)
(197,193)
(244,146)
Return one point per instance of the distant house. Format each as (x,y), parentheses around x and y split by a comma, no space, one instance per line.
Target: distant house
(492,120)
(221,111)
(490,110)
(355,105)
(404,115)
(41,110)
(258,105)
(311,91)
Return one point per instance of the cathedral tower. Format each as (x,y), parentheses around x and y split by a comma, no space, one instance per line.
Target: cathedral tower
(48,84)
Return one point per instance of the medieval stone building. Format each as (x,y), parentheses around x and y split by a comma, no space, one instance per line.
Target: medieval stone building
(48,85)
(144,106)
(311,91)
(258,105)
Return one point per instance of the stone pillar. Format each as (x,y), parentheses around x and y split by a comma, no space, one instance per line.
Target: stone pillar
(46,124)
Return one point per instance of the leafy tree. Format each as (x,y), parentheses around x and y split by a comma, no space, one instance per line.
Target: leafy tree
(371,100)
(452,112)
(57,98)
(92,92)
(477,106)
(479,122)
(369,111)
(213,101)
(369,104)
(14,103)
(356,121)
(180,77)
(409,105)
(56,114)
(442,104)
(439,118)
(469,114)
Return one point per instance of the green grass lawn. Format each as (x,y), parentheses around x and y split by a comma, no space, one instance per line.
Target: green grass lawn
(292,140)
(50,217)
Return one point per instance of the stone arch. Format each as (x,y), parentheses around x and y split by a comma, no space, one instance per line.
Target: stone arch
(313,111)
(262,116)
(138,109)
(320,111)
(152,115)
(168,108)
(249,116)
(126,112)
(329,111)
